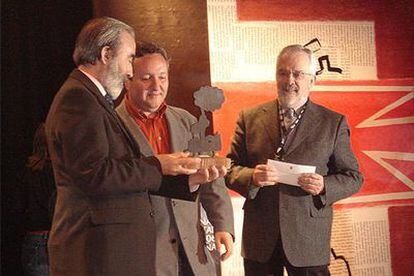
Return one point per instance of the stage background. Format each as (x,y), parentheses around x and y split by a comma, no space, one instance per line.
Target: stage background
(371,42)
(233,45)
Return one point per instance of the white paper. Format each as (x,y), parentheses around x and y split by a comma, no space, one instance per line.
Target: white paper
(288,173)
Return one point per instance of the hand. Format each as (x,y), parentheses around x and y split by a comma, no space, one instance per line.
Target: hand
(312,183)
(207,175)
(224,238)
(264,175)
(178,163)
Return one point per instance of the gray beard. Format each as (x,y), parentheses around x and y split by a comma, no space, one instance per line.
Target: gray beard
(114,90)
(114,82)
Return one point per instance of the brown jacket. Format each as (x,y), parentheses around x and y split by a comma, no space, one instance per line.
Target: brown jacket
(104,221)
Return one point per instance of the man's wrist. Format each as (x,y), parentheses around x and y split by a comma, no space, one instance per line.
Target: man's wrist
(193,187)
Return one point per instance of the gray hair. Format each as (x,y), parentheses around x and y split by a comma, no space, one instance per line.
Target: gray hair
(148,48)
(296,48)
(96,34)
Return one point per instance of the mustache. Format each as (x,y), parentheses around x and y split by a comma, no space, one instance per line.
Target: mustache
(153,92)
(290,88)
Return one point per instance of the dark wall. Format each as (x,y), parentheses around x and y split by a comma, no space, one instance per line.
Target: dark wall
(178,25)
(37,39)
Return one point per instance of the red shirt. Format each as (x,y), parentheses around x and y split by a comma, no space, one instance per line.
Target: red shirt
(154,128)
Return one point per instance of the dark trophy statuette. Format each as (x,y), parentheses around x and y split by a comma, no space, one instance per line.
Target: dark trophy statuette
(207,99)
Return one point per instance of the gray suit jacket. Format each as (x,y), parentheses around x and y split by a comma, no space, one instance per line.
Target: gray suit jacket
(178,220)
(303,221)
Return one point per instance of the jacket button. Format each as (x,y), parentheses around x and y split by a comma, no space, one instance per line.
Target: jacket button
(173,241)
(152,213)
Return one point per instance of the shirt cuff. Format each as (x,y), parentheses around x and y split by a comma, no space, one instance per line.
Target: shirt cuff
(193,188)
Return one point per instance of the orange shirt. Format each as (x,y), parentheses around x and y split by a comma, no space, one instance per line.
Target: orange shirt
(154,128)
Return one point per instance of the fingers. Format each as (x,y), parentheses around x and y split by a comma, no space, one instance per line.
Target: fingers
(265,183)
(178,163)
(184,166)
(192,163)
(312,183)
(228,244)
(224,238)
(264,175)
(181,170)
(180,154)
(222,171)
(212,173)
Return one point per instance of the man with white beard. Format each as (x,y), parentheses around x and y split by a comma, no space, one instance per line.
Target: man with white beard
(288,226)
(104,221)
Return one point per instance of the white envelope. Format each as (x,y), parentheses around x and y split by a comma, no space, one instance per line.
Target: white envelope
(288,173)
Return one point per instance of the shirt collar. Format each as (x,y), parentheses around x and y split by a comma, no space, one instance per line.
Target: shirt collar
(297,110)
(95,81)
(139,114)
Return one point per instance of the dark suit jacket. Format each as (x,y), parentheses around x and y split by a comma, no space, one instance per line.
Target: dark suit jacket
(103,222)
(178,220)
(302,220)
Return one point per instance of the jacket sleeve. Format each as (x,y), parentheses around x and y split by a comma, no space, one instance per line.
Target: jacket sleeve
(239,178)
(217,203)
(343,178)
(90,151)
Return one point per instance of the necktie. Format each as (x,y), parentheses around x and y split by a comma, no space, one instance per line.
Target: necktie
(109,99)
(290,113)
(290,116)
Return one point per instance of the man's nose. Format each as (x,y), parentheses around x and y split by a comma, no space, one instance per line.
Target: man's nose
(130,72)
(291,78)
(156,83)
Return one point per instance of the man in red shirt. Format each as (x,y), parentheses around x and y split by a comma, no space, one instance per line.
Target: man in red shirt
(159,128)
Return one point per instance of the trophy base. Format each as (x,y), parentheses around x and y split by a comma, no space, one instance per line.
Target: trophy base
(208,161)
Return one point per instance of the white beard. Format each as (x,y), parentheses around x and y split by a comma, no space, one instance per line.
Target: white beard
(114,81)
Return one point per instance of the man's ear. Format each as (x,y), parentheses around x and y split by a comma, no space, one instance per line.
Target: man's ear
(106,54)
(127,84)
(312,81)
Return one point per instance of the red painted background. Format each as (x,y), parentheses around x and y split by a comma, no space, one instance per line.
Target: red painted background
(394,37)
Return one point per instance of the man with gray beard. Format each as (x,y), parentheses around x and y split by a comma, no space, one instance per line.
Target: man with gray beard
(288,226)
(104,221)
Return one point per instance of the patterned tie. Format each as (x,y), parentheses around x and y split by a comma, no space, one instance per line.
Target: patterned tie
(109,99)
(290,114)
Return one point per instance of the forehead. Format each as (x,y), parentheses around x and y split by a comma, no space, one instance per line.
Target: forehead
(151,62)
(296,61)
(127,43)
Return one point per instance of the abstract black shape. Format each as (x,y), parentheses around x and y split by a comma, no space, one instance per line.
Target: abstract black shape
(340,257)
(315,40)
(328,65)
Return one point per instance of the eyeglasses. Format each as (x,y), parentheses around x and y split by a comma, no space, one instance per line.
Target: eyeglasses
(297,74)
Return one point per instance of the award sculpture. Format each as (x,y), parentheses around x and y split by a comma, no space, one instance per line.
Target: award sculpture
(207,99)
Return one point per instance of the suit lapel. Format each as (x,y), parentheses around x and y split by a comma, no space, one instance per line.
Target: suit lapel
(270,114)
(177,131)
(308,124)
(77,74)
(135,130)
(91,87)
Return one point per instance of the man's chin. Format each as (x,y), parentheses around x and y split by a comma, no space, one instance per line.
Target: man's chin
(287,100)
(115,92)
